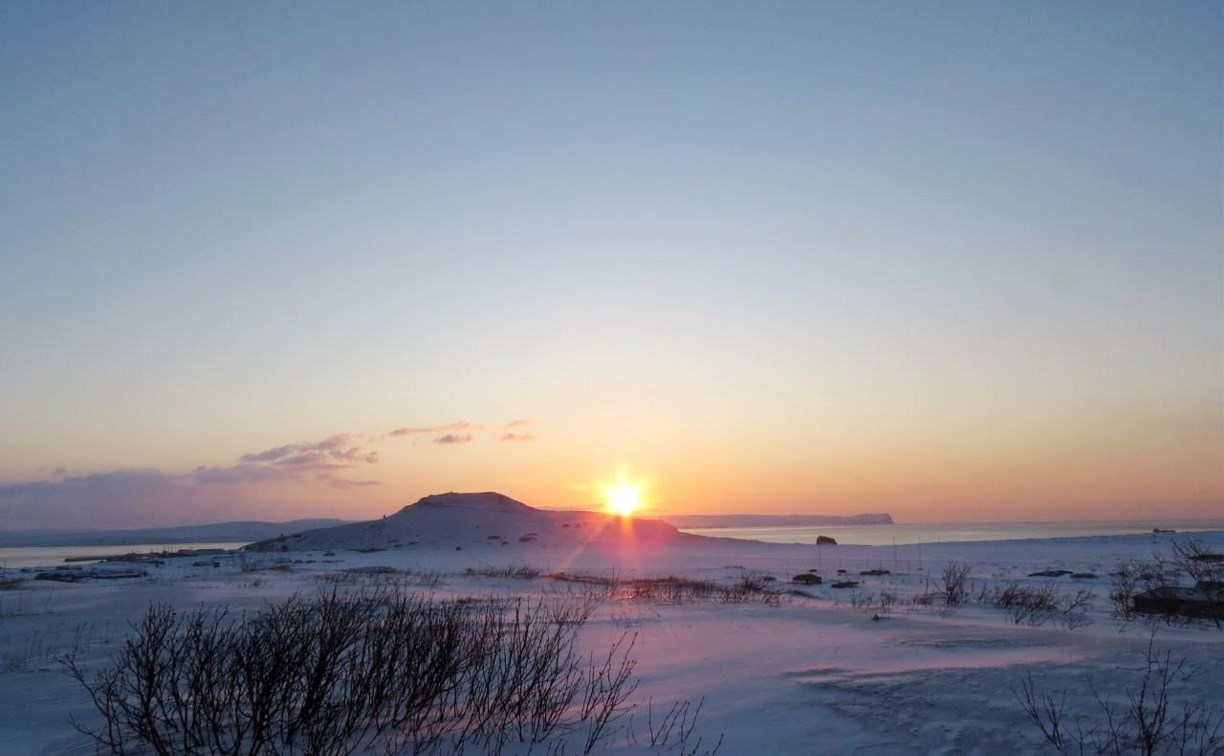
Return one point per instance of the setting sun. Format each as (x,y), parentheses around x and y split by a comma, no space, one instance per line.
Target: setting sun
(624,500)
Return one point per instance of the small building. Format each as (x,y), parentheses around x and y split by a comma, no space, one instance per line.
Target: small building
(1200,601)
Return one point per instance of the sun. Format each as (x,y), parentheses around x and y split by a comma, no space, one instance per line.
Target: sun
(624,500)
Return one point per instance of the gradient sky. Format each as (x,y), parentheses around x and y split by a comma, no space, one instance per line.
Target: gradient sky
(952,261)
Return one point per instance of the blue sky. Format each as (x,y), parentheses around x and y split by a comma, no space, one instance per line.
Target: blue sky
(945,260)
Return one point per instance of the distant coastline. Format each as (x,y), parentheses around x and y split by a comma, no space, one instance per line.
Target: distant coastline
(214,532)
(687,522)
(951,532)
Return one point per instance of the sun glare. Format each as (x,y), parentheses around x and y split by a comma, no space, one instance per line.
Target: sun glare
(624,500)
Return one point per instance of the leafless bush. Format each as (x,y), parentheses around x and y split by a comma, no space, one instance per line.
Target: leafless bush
(521,572)
(956,583)
(882,602)
(674,730)
(1073,609)
(926,597)
(595,586)
(1037,605)
(1190,558)
(674,589)
(1143,720)
(249,562)
(386,576)
(1196,560)
(1132,576)
(671,589)
(373,670)
(750,589)
(861,599)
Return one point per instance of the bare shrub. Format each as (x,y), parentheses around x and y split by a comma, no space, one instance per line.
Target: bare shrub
(1133,576)
(674,730)
(387,576)
(1037,605)
(880,603)
(1073,608)
(520,572)
(1190,558)
(750,588)
(956,583)
(1196,560)
(1141,720)
(671,589)
(861,599)
(373,670)
(1123,586)
(676,590)
(925,598)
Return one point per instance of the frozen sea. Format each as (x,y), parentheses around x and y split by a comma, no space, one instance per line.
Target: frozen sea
(20,557)
(956,532)
(850,535)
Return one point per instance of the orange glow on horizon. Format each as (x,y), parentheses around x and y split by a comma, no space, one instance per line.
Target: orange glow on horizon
(624,499)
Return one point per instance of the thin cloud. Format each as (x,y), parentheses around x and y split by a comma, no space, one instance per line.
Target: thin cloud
(341,448)
(462,425)
(136,497)
(114,484)
(344,484)
(270,455)
(243,473)
(102,499)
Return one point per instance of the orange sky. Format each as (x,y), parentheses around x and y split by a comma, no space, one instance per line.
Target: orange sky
(818,258)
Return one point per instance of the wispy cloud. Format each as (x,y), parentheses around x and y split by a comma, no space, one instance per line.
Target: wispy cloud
(243,473)
(325,460)
(130,498)
(462,425)
(344,483)
(340,449)
(461,432)
(105,485)
(144,496)
(103,499)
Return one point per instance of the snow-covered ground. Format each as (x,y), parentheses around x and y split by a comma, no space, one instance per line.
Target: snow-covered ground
(821,670)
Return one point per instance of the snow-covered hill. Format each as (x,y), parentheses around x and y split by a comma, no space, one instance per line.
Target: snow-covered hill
(460,519)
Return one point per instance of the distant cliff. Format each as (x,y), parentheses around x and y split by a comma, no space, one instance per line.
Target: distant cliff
(687,522)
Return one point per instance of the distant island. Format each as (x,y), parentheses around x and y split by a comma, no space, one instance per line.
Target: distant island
(220,532)
(688,522)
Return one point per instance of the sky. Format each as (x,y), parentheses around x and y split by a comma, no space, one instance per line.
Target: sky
(950,261)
